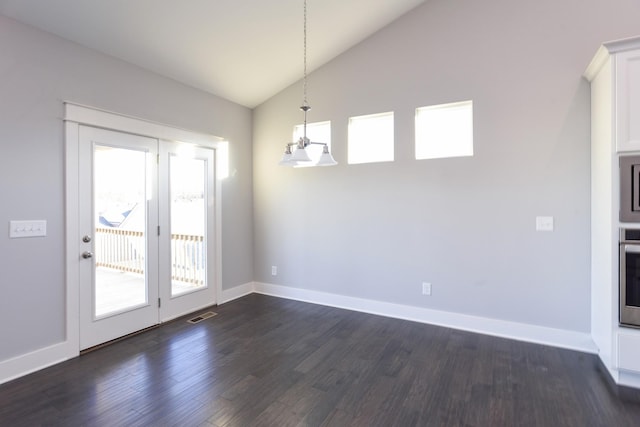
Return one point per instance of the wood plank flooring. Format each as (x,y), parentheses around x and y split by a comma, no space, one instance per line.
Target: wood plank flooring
(264,361)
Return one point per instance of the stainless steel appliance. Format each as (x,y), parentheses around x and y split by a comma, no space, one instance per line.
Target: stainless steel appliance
(630,188)
(630,277)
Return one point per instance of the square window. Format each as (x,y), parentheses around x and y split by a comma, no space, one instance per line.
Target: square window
(371,138)
(316,132)
(444,130)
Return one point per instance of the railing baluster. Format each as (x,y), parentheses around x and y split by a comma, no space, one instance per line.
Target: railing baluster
(120,250)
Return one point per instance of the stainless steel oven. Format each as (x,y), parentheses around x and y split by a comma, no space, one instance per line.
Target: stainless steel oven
(630,277)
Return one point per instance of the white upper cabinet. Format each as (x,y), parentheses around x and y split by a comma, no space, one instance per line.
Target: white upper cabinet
(618,63)
(628,100)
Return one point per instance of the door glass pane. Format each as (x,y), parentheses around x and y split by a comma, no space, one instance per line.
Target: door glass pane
(188,190)
(120,186)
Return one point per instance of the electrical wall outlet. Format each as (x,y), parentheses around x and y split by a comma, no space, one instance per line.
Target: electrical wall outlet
(544,223)
(274,270)
(426,288)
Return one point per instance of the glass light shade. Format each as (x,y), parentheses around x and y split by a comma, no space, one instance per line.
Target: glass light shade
(300,155)
(286,157)
(286,160)
(326,159)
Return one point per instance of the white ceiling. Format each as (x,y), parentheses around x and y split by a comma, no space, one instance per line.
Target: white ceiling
(242,50)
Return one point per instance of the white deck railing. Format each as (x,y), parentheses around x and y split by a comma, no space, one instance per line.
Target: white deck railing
(188,259)
(124,250)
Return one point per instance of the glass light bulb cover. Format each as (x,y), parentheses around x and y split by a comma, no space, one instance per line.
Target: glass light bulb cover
(326,159)
(300,155)
(286,160)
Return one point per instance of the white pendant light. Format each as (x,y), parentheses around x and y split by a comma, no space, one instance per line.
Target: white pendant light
(326,159)
(295,152)
(286,158)
(301,155)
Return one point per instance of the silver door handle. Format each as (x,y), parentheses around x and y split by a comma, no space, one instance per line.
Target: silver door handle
(87,254)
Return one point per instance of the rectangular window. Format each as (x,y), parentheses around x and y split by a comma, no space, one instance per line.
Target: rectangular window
(444,130)
(316,132)
(371,138)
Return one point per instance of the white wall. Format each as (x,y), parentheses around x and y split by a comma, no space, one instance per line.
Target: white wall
(466,225)
(37,73)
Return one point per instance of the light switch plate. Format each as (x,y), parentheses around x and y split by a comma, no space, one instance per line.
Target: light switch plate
(20,229)
(544,223)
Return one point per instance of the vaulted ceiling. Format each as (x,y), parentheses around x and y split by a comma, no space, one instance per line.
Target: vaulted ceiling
(242,50)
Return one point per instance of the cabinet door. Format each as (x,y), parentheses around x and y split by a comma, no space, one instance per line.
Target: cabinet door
(628,101)
(629,352)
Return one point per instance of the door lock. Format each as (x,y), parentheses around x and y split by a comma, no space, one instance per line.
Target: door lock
(86,239)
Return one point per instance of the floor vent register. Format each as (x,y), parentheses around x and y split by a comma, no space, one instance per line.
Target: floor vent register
(202,317)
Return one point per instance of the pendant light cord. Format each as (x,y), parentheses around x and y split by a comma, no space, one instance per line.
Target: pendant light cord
(304,79)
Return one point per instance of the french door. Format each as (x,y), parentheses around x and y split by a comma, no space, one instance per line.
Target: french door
(187,249)
(147,226)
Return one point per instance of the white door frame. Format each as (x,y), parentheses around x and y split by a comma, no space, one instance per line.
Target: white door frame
(74,116)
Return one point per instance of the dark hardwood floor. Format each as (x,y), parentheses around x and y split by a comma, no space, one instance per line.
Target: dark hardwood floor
(265,361)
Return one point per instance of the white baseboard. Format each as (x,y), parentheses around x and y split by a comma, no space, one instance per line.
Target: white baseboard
(518,331)
(628,379)
(236,292)
(39,359)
